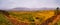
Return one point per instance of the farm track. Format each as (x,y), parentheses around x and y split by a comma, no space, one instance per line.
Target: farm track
(51,21)
(15,21)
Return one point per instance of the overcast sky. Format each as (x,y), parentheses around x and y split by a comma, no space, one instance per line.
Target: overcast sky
(29,3)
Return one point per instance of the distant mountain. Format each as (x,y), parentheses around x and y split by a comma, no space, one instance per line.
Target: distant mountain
(30,9)
(27,9)
(46,8)
(21,9)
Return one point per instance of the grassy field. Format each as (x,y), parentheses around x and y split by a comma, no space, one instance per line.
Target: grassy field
(4,21)
(29,17)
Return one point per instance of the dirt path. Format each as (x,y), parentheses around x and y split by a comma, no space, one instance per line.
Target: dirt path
(16,21)
(12,19)
(52,20)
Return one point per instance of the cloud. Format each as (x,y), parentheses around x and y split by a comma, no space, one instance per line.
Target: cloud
(28,3)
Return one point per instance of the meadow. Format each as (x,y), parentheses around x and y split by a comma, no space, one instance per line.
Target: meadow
(31,17)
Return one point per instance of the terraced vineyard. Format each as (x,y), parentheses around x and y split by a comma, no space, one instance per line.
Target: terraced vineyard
(26,17)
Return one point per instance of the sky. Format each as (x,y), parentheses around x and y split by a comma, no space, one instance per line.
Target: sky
(9,4)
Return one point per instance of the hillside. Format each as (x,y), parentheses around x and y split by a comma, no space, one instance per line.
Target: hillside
(30,17)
